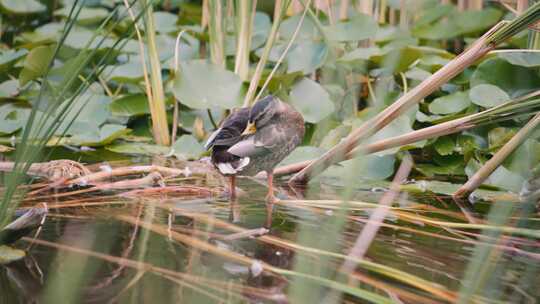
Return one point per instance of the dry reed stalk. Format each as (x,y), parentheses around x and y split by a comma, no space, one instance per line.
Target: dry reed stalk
(278,14)
(155,107)
(412,97)
(494,162)
(377,217)
(343,9)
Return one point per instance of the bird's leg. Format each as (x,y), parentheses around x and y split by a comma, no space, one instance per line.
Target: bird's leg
(232,188)
(270,198)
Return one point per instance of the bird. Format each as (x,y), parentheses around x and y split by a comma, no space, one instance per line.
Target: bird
(254,139)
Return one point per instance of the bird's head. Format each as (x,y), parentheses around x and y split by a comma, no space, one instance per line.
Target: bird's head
(261,114)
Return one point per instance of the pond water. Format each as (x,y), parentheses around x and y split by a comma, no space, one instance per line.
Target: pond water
(169,247)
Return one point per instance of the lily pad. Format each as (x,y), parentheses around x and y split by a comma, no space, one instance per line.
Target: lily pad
(165,22)
(106,135)
(488,95)
(515,80)
(9,88)
(22,7)
(526,59)
(36,63)
(138,148)
(187,147)
(9,254)
(302,153)
(130,105)
(449,104)
(311,100)
(202,85)
(358,28)
(306,57)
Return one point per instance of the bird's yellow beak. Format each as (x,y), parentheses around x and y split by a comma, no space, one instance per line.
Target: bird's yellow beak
(250,129)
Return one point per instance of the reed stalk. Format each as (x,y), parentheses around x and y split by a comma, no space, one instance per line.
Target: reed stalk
(498,34)
(244,21)
(280,7)
(216,28)
(156,100)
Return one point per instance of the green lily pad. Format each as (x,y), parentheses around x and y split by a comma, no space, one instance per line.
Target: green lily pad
(358,28)
(202,85)
(165,22)
(22,7)
(308,30)
(526,59)
(127,72)
(302,153)
(449,104)
(306,57)
(488,95)
(138,148)
(9,254)
(9,88)
(12,117)
(130,105)
(36,63)
(87,16)
(187,147)
(106,135)
(501,177)
(10,57)
(311,100)
(515,80)
(444,145)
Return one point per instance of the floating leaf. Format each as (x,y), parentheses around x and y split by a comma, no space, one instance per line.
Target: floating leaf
(36,63)
(523,58)
(311,100)
(306,57)
(308,30)
(9,254)
(444,145)
(9,88)
(360,54)
(202,85)
(9,57)
(138,148)
(22,7)
(187,147)
(165,22)
(369,167)
(302,153)
(87,16)
(449,104)
(128,72)
(12,117)
(358,28)
(130,105)
(513,79)
(501,177)
(106,134)
(488,95)
(396,127)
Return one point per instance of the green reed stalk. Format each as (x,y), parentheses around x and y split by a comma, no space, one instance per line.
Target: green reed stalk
(216,29)
(280,7)
(245,13)
(158,110)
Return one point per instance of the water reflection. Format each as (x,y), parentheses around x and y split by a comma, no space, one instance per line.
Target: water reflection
(153,249)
